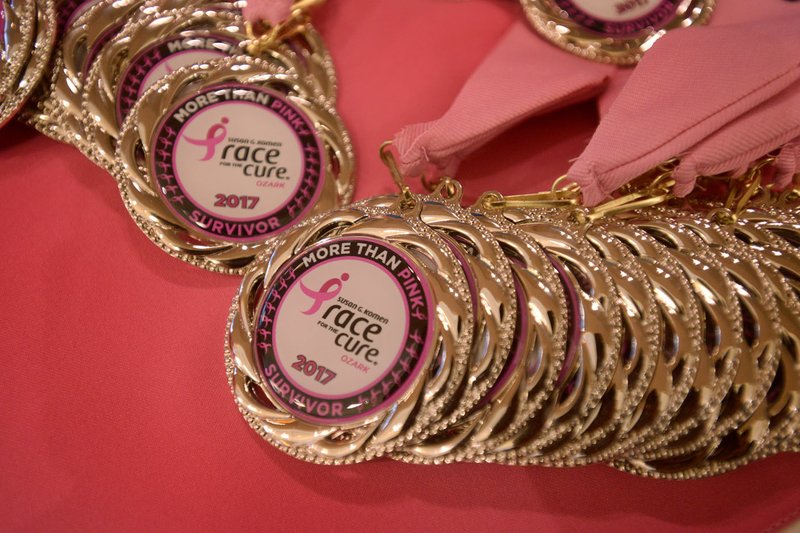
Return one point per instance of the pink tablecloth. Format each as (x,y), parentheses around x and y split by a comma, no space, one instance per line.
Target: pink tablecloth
(114,408)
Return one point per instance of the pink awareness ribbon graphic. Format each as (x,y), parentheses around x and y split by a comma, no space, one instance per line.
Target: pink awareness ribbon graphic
(215,135)
(328,291)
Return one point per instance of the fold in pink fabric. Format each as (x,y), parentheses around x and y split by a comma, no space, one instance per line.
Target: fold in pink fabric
(615,86)
(522,77)
(690,84)
(272,11)
(718,97)
(787,164)
(736,145)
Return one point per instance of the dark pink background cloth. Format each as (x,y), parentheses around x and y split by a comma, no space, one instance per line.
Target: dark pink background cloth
(115,412)
(271,11)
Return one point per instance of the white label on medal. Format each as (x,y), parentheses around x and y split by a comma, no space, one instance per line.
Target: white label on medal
(343,329)
(367,337)
(237,162)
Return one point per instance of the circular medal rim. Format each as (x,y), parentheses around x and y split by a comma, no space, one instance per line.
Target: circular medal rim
(676,4)
(101,85)
(475,385)
(717,384)
(320,178)
(130,61)
(63,103)
(624,51)
(21,21)
(271,425)
(170,234)
(396,394)
(531,403)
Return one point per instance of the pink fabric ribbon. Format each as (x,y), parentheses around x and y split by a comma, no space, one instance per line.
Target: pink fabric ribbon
(272,11)
(522,77)
(692,83)
(719,97)
(735,146)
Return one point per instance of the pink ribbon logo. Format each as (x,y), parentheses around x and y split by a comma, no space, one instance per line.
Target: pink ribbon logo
(215,135)
(329,290)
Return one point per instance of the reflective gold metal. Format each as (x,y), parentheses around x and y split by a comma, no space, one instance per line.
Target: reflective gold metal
(57,111)
(139,183)
(26,46)
(655,334)
(444,364)
(166,40)
(612,32)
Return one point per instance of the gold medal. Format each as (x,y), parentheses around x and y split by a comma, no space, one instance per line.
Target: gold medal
(494,308)
(782,264)
(18,21)
(382,292)
(737,430)
(599,333)
(537,356)
(670,337)
(640,355)
(681,337)
(164,41)
(723,341)
(220,157)
(618,31)
(762,332)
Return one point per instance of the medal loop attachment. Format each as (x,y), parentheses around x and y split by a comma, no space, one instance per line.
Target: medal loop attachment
(407,200)
(263,36)
(448,189)
(789,196)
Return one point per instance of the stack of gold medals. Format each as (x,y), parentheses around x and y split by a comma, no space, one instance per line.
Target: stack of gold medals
(220,133)
(654,335)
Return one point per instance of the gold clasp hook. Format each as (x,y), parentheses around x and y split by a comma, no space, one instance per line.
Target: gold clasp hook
(568,195)
(645,191)
(751,184)
(658,191)
(260,41)
(789,196)
(407,199)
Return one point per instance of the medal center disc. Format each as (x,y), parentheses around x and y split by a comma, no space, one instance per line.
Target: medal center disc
(344,330)
(237,162)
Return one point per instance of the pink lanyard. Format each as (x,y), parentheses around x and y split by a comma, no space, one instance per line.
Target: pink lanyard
(718,97)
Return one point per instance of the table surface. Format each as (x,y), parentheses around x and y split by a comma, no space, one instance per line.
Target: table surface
(115,407)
